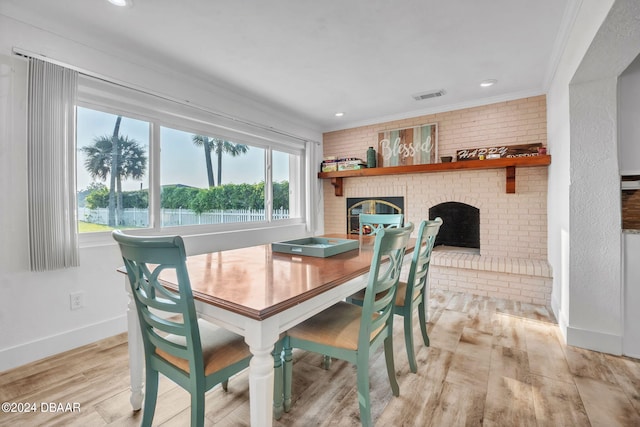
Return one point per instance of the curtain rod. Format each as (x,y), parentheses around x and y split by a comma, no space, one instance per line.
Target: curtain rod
(28,54)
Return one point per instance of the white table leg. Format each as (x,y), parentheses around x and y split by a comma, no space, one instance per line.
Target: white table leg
(261,338)
(136,352)
(261,387)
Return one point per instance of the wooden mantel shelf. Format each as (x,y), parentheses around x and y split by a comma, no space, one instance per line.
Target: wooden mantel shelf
(508,163)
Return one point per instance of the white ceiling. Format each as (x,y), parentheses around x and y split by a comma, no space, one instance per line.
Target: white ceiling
(314,58)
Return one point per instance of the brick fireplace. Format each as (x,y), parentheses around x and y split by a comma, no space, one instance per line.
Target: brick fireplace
(511,261)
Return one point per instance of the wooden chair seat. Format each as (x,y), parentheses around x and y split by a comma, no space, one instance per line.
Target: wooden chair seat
(400,294)
(338,326)
(220,348)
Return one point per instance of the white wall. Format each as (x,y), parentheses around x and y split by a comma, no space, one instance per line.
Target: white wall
(584,188)
(629,156)
(35,318)
(629,104)
(595,312)
(587,20)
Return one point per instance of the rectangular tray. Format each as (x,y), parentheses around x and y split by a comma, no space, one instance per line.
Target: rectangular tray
(321,247)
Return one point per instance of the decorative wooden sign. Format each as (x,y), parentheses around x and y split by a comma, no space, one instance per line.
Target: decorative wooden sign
(410,146)
(525,150)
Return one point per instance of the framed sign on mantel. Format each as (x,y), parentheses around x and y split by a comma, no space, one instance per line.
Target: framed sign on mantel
(496,152)
(416,145)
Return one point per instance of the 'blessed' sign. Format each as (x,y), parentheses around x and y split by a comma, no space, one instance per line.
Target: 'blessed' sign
(410,146)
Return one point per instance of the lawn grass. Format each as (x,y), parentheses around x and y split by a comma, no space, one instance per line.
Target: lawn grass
(87,227)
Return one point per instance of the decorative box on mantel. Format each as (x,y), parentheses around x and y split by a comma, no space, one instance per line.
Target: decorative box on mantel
(490,153)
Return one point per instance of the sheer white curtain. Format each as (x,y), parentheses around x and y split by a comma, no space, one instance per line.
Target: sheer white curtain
(53,235)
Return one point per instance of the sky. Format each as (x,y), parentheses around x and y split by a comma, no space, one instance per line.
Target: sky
(182,162)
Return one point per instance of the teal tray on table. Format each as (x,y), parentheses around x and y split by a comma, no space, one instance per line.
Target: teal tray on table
(321,247)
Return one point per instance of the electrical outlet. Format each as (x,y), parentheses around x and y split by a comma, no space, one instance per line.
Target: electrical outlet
(76,300)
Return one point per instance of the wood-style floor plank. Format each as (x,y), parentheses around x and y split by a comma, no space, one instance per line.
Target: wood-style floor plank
(588,364)
(509,403)
(491,363)
(508,331)
(557,403)
(447,335)
(471,361)
(511,363)
(419,392)
(546,356)
(606,404)
(459,406)
(627,373)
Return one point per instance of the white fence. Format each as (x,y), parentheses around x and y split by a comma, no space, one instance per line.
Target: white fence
(177,217)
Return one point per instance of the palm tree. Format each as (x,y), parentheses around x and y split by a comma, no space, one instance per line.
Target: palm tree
(219,146)
(102,156)
(130,162)
(206,142)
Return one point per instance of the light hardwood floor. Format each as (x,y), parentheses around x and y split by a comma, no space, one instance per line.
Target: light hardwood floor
(491,362)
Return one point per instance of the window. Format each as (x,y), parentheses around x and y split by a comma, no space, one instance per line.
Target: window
(281,186)
(210,180)
(180,167)
(106,200)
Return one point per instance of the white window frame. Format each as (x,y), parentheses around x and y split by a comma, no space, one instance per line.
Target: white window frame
(160,112)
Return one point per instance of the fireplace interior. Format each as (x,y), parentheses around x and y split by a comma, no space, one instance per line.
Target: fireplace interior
(460,227)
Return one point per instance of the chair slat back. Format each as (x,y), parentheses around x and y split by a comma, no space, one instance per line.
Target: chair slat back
(417,278)
(376,222)
(384,274)
(162,311)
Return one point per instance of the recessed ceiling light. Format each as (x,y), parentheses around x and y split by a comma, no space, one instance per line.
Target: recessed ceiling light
(121,2)
(339,114)
(489,82)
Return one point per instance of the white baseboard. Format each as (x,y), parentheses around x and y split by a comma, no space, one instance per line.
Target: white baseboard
(592,340)
(562,319)
(597,341)
(631,353)
(35,350)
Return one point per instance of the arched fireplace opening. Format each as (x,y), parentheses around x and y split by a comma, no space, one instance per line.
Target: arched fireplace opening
(460,227)
(370,205)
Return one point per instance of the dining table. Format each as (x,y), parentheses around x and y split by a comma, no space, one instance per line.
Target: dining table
(259,293)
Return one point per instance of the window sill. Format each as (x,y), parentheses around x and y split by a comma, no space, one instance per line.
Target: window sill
(214,238)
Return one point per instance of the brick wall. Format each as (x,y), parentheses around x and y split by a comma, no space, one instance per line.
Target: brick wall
(506,123)
(512,226)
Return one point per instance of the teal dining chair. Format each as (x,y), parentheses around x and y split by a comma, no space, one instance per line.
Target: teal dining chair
(350,332)
(414,293)
(371,223)
(193,353)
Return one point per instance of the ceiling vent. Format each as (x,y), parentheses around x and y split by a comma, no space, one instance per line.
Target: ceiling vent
(427,95)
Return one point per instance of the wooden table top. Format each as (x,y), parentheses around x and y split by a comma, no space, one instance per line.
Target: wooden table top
(258,283)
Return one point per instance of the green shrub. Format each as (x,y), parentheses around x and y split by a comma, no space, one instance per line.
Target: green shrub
(199,200)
